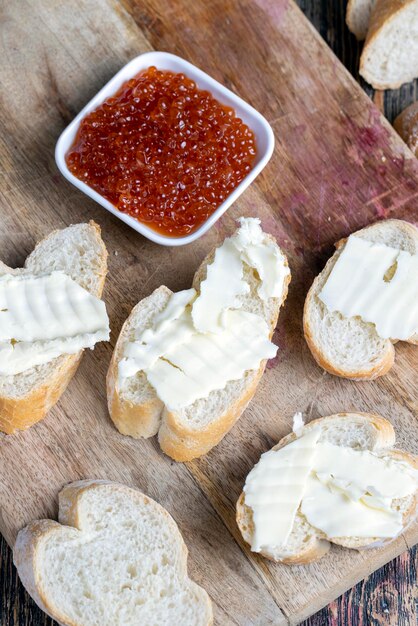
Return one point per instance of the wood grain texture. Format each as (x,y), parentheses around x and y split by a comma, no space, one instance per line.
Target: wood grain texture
(329,19)
(389,595)
(337,166)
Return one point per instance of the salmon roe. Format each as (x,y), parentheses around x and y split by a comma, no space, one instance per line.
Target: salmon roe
(163,151)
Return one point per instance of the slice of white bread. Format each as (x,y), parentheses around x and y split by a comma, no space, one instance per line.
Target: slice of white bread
(360,431)
(116,558)
(78,251)
(358,17)
(390,54)
(406,124)
(349,347)
(194,430)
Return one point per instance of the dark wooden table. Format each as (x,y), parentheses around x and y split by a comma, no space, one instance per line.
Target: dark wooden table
(389,596)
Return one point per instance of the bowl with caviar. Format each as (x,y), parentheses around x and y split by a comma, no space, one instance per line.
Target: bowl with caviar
(165,148)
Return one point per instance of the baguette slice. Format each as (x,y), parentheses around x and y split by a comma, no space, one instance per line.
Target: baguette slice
(390,54)
(116,558)
(360,431)
(349,347)
(79,251)
(358,17)
(406,124)
(191,432)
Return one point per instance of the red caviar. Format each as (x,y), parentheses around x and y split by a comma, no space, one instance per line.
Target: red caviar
(163,151)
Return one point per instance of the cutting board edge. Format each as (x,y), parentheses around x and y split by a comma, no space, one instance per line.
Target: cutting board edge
(337,590)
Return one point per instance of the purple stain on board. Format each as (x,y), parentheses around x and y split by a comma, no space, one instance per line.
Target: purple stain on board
(271,363)
(372,147)
(299,131)
(381,211)
(381,171)
(367,139)
(294,202)
(272,226)
(296,199)
(399,161)
(276,9)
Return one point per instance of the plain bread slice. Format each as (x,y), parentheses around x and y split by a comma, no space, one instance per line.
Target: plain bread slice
(390,54)
(358,17)
(116,558)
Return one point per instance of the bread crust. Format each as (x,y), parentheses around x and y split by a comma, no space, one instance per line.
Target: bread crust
(19,413)
(131,419)
(185,444)
(377,370)
(177,440)
(25,560)
(313,550)
(318,545)
(381,367)
(70,500)
(351,18)
(406,124)
(384,12)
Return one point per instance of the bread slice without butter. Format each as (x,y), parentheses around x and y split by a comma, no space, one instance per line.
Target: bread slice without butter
(406,124)
(358,17)
(353,431)
(350,347)
(116,558)
(79,252)
(192,431)
(390,54)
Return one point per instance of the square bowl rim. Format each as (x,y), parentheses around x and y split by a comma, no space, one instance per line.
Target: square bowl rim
(204,81)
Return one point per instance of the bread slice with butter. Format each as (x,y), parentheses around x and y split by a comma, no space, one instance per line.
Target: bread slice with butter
(79,252)
(344,499)
(190,431)
(116,558)
(348,346)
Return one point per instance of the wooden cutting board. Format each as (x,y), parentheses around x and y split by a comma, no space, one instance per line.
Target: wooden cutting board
(337,166)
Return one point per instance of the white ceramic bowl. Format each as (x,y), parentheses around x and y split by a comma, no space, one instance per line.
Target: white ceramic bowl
(165,61)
